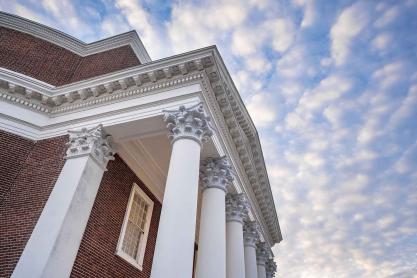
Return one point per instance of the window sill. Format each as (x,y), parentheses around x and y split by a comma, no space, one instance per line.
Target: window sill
(129,260)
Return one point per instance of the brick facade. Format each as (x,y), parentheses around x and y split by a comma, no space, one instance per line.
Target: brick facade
(28,172)
(96,256)
(29,55)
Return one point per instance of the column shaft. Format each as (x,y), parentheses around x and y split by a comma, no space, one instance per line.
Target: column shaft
(53,245)
(211,257)
(261,271)
(174,249)
(250,262)
(235,260)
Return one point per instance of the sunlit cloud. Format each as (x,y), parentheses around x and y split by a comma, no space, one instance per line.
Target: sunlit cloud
(332,89)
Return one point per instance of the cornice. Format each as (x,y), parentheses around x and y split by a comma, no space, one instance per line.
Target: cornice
(203,66)
(72,44)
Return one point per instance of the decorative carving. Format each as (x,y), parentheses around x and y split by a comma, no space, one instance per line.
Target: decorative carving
(261,253)
(250,233)
(270,268)
(189,123)
(216,172)
(236,207)
(93,141)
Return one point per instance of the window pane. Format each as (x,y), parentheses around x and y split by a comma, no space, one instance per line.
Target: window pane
(135,226)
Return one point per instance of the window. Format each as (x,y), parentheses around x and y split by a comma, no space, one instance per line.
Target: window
(135,228)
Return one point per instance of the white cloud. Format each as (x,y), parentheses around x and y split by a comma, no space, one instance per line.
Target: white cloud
(381,41)
(406,109)
(348,26)
(389,74)
(292,64)
(329,89)
(309,12)
(139,19)
(113,25)
(387,17)
(262,109)
(66,15)
(282,33)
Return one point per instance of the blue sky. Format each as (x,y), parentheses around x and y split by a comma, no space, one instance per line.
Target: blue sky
(332,88)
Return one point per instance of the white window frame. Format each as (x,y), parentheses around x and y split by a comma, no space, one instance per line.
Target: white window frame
(141,252)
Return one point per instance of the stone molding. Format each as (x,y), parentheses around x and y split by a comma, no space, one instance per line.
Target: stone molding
(216,173)
(261,253)
(72,44)
(250,233)
(94,142)
(270,268)
(204,67)
(236,207)
(190,123)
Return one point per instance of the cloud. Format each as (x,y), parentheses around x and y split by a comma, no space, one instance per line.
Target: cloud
(114,24)
(382,41)
(387,17)
(309,12)
(139,19)
(348,26)
(262,109)
(332,92)
(282,32)
(389,74)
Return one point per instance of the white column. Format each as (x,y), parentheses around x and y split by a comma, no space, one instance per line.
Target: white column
(261,257)
(215,176)
(270,268)
(236,211)
(55,240)
(174,250)
(250,236)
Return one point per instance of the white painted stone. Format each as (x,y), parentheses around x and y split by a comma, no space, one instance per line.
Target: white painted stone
(174,250)
(261,258)
(235,212)
(270,268)
(52,248)
(215,176)
(250,236)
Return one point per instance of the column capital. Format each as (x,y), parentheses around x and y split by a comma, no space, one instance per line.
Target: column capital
(93,141)
(216,173)
(271,268)
(261,253)
(189,123)
(250,233)
(236,207)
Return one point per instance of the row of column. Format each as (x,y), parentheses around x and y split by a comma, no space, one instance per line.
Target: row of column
(227,244)
(227,241)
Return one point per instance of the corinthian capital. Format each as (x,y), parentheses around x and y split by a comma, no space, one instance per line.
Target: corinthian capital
(189,123)
(93,141)
(271,268)
(236,207)
(216,173)
(261,253)
(250,233)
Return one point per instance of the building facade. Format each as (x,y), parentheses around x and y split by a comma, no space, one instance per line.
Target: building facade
(113,165)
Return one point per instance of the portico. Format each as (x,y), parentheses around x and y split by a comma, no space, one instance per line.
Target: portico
(181,127)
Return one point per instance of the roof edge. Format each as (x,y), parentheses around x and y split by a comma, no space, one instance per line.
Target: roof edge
(71,43)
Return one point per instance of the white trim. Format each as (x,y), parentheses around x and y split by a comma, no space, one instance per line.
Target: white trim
(203,68)
(72,44)
(141,252)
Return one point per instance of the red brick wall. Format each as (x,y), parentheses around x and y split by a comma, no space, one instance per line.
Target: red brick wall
(96,257)
(55,65)
(28,172)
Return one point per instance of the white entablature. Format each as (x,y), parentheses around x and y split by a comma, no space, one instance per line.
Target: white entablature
(199,73)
